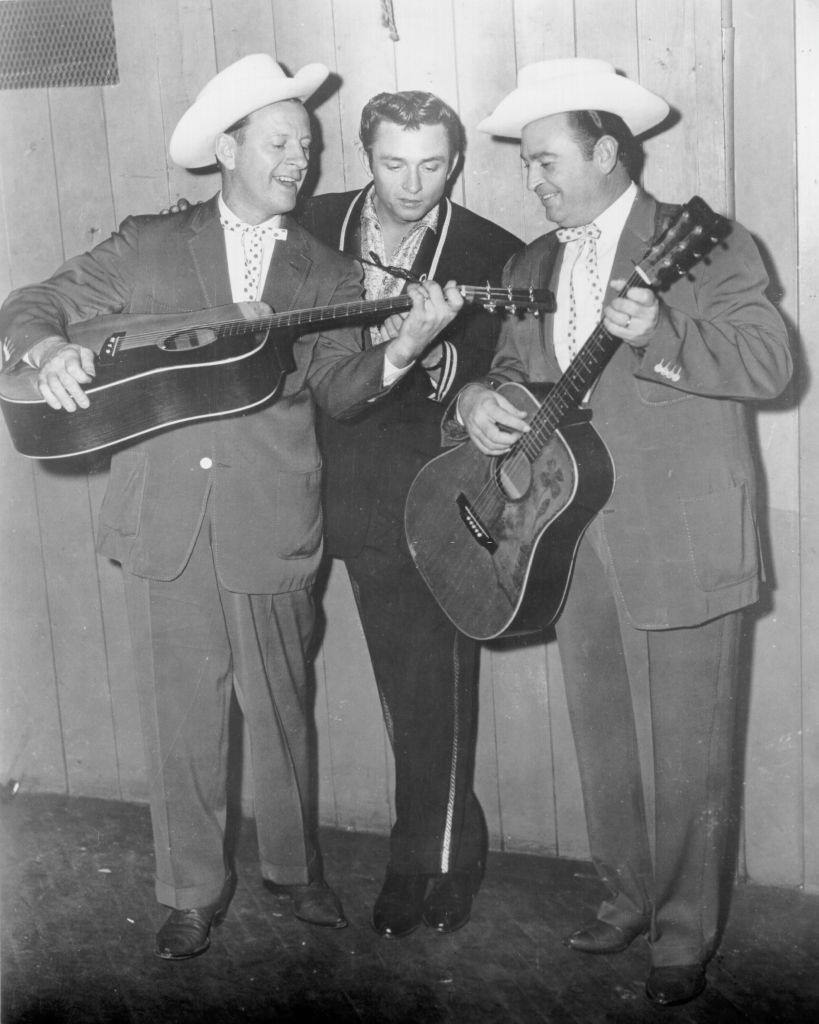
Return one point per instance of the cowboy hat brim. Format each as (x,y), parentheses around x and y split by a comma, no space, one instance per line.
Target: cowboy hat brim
(247,85)
(639,108)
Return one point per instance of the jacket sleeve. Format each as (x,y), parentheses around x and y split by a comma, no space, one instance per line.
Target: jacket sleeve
(91,284)
(719,336)
(509,362)
(344,376)
(472,338)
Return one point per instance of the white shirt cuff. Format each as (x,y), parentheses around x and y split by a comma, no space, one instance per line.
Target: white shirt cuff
(393,373)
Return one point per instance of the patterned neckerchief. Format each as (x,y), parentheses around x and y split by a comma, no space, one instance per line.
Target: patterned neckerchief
(377,284)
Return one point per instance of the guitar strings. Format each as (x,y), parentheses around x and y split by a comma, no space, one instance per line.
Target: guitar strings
(574,383)
(531,299)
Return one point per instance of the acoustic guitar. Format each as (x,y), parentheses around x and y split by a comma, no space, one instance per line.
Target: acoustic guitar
(495,537)
(159,371)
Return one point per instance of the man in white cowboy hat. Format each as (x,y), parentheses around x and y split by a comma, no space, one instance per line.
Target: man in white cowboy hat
(217,523)
(664,570)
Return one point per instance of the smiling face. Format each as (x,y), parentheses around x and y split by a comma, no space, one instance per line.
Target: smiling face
(573,188)
(410,167)
(264,163)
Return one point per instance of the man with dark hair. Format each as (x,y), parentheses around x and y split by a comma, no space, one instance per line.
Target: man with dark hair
(664,571)
(217,522)
(425,670)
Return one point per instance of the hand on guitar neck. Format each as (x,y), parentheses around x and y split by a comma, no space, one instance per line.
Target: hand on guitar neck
(432,309)
(632,316)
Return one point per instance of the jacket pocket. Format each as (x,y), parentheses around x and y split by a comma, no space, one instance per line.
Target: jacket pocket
(722,537)
(298,514)
(121,509)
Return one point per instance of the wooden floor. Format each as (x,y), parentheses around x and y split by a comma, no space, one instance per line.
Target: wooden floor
(78,920)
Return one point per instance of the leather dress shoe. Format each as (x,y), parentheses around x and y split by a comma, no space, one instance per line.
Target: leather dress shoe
(186,932)
(600,937)
(400,905)
(315,903)
(670,986)
(449,905)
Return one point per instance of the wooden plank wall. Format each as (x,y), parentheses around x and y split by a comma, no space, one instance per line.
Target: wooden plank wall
(75,161)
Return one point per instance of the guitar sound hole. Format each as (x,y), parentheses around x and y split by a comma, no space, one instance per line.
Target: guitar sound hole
(514,476)
(184,341)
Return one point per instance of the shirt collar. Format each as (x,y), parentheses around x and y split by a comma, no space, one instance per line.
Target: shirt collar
(229,218)
(429,220)
(613,219)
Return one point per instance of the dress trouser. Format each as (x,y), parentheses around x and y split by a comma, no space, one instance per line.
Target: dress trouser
(680,892)
(426,675)
(193,642)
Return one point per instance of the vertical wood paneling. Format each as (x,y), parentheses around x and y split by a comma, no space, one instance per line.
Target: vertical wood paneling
(807,85)
(34,242)
(524,749)
(425,54)
(570,823)
(133,114)
(485,68)
(764,104)
(76,626)
(77,161)
(127,734)
(486,750)
(542,32)
(685,67)
(241,27)
(5,257)
(184,60)
(304,35)
(773,771)
(78,128)
(357,31)
(30,730)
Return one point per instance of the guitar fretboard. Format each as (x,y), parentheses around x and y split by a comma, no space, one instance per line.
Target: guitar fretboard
(569,391)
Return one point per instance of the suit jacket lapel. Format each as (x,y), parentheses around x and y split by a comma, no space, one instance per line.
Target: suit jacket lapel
(550,264)
(208,239)
(637,233)
(289,268)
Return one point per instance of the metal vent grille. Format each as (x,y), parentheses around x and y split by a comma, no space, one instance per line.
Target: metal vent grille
(52,43)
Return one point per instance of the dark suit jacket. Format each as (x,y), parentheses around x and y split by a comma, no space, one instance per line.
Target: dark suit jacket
(681,525)
(260,471)
(372,459)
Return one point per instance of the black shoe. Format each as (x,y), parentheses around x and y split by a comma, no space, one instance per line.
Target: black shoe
(315,903)
(186,933)
(400,905)
(670,986)
(600,937)
(449,905)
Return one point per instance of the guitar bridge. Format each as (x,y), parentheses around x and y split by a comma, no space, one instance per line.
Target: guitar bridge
(475,526)
(110,347)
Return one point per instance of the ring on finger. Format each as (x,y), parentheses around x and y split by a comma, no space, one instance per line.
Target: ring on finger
(628,320)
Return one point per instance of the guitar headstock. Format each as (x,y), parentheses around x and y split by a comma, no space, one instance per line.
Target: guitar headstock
(692,234)
(510,300)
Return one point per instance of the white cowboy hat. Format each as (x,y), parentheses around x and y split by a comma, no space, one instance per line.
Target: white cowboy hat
(238,90)
(574,83)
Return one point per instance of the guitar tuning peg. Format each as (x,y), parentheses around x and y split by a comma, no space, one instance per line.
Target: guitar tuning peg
(513,308)
(490,306)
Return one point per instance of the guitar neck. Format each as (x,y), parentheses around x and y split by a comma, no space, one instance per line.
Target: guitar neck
(570,390)
(328,314)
